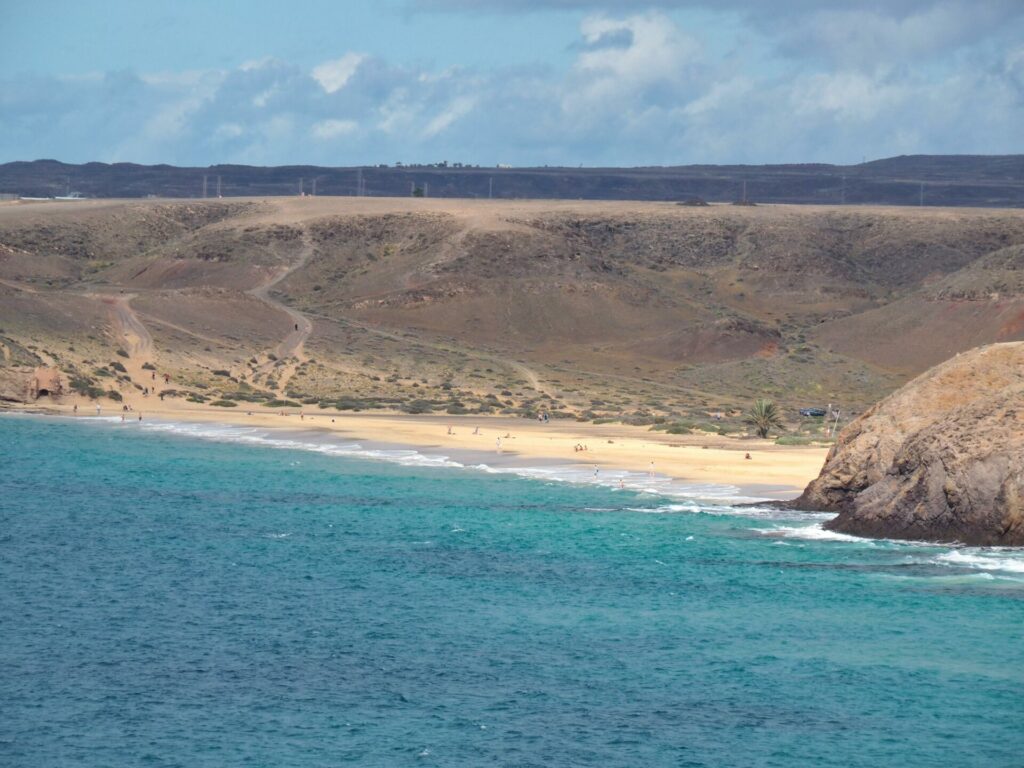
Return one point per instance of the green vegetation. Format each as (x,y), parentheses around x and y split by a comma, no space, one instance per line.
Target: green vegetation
(283,404)
(122,353)
(119,367)
(224,403)
(802,440)
(418,406)
(763,416)
(148,367)
(85,386)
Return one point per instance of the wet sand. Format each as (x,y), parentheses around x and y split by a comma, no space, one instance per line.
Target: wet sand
(771,472)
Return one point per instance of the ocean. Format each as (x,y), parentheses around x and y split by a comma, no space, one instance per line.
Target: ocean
(177,596)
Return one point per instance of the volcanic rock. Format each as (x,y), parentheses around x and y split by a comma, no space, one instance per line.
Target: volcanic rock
(941,459)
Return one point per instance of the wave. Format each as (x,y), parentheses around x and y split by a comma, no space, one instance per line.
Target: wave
(636,482)
(815,532)
(255,436)
(1004,560)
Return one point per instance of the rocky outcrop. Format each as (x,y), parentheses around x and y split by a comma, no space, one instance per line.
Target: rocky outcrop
(15,384)
(941,459)
(27,385)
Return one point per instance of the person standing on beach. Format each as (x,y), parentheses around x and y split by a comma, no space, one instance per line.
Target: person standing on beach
(498,442)
(74,409)
(97,410)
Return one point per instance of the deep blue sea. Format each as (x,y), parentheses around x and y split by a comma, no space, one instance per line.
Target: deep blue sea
(174,601)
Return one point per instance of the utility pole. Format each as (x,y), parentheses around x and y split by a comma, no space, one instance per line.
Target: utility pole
(490,188)
(359,182)
(920,195)
(412,189)
(218,186)
(314,186)
(302,192)
(744,190)
(426,186)
(842,194)
(204,186)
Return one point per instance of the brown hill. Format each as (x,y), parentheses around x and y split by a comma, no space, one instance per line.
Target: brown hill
(941,459)
(625,310)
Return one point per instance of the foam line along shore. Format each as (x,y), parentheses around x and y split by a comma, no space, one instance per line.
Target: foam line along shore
(609,452)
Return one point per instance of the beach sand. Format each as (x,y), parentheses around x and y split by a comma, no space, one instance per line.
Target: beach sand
(771,472)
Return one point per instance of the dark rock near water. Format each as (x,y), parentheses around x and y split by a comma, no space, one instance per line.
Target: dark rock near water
(941,459)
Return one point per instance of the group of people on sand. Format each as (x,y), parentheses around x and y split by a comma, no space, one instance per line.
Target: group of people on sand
(578,448)
(476,431)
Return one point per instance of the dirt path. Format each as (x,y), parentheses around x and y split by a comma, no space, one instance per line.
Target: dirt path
(291,347)
(530,375)
(18,286)
(180,328)
(137,341)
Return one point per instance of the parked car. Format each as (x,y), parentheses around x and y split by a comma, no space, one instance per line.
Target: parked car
(812,411)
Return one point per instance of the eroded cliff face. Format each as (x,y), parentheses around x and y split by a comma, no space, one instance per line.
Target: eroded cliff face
(941,459)
(15,384)
(21,384)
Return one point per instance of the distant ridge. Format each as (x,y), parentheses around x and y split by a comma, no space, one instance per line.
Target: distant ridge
(937,180)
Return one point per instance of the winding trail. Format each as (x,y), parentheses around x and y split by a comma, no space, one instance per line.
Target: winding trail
(291,347)
(138,341)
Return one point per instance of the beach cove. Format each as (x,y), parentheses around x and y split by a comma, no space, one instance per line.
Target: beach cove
(619,451)
(207,602)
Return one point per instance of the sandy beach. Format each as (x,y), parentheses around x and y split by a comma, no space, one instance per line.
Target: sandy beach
(771,472)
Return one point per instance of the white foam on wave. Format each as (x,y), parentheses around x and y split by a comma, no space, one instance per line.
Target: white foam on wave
(661,486)
(1008,561)
(814,532)
(712,498)
(255,436)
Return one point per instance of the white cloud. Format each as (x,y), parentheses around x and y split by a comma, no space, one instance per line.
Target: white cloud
(228,131)
(845,96)
(640,89)
(868,36)
(458,108)
(332,129)
(334,75)
(646,49)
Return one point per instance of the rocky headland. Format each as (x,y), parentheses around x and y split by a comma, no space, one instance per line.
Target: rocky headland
(941,459)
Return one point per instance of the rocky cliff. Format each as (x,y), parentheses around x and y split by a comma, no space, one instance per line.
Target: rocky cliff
(941,459)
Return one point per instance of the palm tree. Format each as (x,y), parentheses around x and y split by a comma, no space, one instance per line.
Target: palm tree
(764,417)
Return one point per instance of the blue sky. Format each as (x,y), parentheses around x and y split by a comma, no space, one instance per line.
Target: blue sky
(526,82)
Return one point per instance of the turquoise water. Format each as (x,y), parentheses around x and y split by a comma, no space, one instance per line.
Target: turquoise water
(171,601)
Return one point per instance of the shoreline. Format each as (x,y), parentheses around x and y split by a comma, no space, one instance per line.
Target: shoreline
(616,455)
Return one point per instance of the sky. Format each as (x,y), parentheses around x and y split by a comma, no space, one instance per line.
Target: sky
(519,82)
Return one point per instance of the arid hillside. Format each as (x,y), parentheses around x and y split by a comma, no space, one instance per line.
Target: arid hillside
(639,311)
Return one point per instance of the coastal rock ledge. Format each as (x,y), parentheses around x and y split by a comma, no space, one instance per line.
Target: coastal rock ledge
(941,459)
